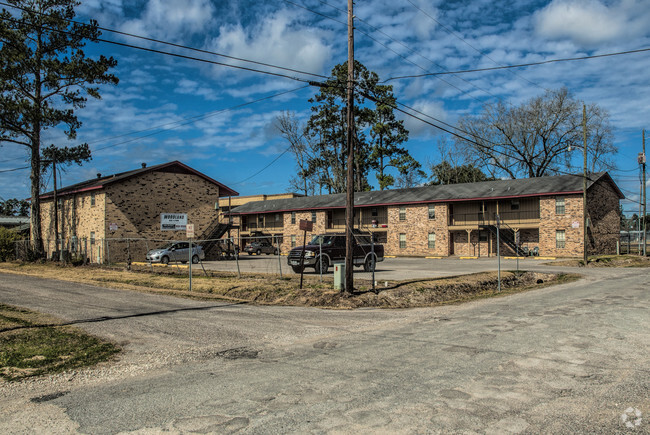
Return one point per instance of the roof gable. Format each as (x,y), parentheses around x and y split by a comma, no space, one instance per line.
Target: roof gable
(101,182)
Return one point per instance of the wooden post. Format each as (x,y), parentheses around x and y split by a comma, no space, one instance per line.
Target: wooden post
(349,203)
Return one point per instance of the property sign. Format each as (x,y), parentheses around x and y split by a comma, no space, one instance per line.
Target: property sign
(306,225)
(112,227)
(189,231)
(173,221)
(575,224)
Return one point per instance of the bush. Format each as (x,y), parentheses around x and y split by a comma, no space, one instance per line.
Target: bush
(7,244)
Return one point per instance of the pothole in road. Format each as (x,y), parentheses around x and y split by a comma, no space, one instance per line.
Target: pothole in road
(48,397)
(238,353)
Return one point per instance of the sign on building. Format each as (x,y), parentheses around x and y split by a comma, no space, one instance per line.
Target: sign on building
(173,221)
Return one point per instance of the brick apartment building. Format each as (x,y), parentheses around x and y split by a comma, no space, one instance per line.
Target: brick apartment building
(544,215)
(128,205)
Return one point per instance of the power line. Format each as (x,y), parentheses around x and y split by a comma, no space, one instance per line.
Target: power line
(451,32)
(264,168)
(167,53)
(568,59)
(176,45)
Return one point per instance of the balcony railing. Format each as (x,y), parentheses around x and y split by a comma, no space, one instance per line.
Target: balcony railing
(509,217)
(366,222)
(254,226)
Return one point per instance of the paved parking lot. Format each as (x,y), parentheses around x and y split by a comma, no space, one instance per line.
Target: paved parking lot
(390,269)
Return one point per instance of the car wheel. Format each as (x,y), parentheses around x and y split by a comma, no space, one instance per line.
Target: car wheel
(325,266)
(367,265)
(259,252)
(195,259)
(164,260)
(297,269)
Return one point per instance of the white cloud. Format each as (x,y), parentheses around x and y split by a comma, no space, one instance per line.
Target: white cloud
(276,40)
(591,22)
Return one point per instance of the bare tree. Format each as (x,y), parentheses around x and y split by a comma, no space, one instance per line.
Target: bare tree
(302,151)
(536,138)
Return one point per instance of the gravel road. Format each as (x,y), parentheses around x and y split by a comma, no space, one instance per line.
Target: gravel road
(573,358)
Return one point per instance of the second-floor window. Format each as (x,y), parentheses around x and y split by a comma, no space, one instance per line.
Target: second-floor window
(313,216)
(402,213)
(260,221)
(92,199)
(432,211)
(293,217)
(559,205)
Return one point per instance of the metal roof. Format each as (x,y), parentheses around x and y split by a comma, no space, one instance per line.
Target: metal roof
(526,187)
(102,181)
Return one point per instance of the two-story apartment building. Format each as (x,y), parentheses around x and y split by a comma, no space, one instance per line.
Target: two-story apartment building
(109,216)
(544,215)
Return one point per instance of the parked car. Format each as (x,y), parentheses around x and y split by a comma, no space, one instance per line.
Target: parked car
(259,248)
(332,247)
(176,251)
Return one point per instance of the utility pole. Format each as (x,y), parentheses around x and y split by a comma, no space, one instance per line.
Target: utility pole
(642,159)
(349,203)
(584,183)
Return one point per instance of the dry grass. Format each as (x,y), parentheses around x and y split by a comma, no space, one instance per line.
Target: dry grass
(607,261)
(270,289)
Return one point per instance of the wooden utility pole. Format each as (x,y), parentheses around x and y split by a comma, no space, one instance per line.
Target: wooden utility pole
(584,183)
(643,183)
(349,203)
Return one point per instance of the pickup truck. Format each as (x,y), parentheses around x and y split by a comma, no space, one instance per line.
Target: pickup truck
(332,247)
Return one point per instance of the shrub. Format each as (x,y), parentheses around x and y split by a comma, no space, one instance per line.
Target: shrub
(7,244)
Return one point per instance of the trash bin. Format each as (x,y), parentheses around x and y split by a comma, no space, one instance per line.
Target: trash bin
(339,276)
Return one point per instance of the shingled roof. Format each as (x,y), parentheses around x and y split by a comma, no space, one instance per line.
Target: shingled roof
(499,189)
(102,181)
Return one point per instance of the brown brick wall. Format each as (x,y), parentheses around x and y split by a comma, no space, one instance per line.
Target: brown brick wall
(550,222)
(604,229)
(417,227)
(294,229)
(77,219)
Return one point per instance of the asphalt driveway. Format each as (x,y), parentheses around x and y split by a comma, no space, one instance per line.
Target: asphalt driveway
(573,358)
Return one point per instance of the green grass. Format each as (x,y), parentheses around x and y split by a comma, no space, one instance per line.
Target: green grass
(32,345)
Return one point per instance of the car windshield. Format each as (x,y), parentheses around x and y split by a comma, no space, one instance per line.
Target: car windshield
(325,240)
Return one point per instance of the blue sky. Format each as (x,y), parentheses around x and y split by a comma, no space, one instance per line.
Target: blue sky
(146,118)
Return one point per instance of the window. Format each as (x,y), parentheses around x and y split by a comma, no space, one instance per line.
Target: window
(92,237)
(373,212)
(293,241)
(402,213)
(260,221)
(313,216)
(560,239)
(402,241)
(432,240)
(92,199)
(559,205)
(278,217)
(432,211)
(514,204)
(293,217)
(482,236)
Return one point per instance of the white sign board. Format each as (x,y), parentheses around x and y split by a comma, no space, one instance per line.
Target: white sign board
(189,230)
(112,227)
(575,224)
(173,221)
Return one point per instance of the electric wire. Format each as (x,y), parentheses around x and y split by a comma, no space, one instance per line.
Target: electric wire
(167,53)
(569,59)
(145,38)
(451,32)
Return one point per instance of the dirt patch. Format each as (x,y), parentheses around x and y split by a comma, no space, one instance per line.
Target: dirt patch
(607,261)
(269,289)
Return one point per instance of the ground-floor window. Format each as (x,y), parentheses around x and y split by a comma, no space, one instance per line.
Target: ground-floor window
(92,237)
(402,241)
(432,240)
(560,239)
(293,241)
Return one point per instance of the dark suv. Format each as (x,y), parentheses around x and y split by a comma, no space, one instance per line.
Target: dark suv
(332,247)
(259,248)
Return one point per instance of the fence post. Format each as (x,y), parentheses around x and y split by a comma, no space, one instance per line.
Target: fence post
(277,246)
(236,259)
